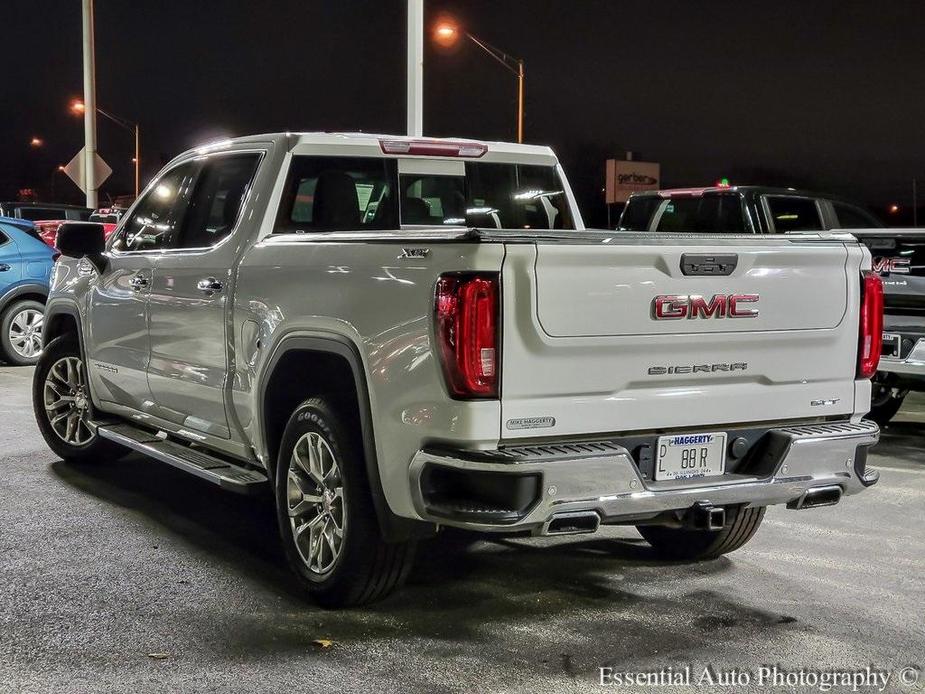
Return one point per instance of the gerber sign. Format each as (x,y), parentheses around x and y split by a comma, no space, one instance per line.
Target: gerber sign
(627,177)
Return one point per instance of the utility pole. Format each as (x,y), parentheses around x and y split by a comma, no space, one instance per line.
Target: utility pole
(415,68)
(90,105)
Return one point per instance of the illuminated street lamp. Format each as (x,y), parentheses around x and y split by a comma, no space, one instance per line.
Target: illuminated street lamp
(78,108)
(447,33)
(894,209)
(36,142)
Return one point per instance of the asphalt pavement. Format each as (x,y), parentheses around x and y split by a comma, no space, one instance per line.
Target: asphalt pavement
(130,576)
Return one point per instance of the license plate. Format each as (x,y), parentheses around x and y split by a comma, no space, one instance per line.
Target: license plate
(891,346)
(681,456)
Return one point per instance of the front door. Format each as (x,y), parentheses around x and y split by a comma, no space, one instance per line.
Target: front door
(117,345)
(190,299)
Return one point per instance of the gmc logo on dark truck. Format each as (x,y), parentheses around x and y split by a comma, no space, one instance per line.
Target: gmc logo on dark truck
(899,266)
(675,307)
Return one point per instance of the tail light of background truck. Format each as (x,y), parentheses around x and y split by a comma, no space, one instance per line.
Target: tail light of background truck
(467,312)
(870,343)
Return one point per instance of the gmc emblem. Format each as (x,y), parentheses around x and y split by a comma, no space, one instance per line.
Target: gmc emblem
(900,266)
(674,307)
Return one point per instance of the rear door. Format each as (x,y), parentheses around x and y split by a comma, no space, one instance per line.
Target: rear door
(10,263)
(645,331)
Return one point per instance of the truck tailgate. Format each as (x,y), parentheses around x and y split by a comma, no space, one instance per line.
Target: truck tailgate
(631,332)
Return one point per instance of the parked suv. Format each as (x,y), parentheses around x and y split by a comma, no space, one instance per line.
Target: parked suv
(401,334)
(25,267)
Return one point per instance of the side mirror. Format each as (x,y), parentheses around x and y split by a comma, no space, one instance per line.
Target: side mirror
(83,240)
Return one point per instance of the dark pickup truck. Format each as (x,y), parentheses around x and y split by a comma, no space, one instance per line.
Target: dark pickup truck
(898,255)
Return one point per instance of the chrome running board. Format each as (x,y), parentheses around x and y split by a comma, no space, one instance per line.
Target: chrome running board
(225,474)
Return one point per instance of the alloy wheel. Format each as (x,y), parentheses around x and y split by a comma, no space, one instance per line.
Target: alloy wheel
(67,401)
(25,333)
(316,504)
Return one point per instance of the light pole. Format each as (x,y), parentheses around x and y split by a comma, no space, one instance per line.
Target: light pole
(78,107)
(446,34)
(89,65)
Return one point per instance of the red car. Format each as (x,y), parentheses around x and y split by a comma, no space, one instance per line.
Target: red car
(48,229)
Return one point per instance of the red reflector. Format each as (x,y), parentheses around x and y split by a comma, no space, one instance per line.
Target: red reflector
(467,310)
(433,148)
(870,343)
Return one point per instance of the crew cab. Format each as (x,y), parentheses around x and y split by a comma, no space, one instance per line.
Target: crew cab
(397,335)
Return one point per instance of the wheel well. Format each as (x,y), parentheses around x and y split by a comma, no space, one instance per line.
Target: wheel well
(25,296)
(299,375)
(59,324)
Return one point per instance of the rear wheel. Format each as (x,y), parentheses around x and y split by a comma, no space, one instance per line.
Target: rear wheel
(681,543)
(21,332)
(885,403)
(329,526)
(62,405)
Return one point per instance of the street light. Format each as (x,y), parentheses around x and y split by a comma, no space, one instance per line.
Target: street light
(78,108)
(36,142)
(447,33)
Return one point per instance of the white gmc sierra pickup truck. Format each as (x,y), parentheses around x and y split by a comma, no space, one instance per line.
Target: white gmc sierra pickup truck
(399,334)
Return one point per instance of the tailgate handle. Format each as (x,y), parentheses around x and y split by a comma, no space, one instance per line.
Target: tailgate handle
(707,264)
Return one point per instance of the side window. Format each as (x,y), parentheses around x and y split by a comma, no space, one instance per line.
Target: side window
(153,221)
(3,238)
(339,194)
(638,212)
(794,214)
(851,217)
(216,201)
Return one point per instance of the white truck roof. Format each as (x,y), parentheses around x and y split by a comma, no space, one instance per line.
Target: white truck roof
(368,144)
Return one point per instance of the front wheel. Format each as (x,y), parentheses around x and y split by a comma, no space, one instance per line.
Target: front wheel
(697,545)
(62,405)
(329,527)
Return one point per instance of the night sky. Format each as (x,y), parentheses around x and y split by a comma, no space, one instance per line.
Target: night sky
(824,94)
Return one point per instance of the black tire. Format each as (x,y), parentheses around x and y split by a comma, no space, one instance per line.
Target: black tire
(882,410)
(681,543)
(365,567)
(94,448)
(7,352)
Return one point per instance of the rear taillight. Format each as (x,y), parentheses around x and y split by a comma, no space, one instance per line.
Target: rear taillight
(467,321)
(870,343)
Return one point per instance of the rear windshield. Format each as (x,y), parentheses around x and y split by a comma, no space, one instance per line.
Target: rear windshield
(493,196)
(33,213)
(707,213)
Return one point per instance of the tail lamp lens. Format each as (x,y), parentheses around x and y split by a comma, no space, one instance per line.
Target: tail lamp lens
(870,343)
(467,312)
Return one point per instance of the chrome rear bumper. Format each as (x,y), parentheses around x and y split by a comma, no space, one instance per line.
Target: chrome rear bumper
(602,477)
(912,365)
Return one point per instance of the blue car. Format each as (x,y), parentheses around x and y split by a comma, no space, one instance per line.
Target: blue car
(25,270)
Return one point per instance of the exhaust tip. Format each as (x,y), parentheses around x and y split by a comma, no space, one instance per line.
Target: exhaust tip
(573,523)
(814,498)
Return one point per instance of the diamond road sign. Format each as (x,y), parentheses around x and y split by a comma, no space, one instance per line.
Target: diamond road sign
(75,170)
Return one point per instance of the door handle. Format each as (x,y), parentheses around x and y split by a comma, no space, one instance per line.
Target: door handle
(209,285)
(138,282)
(4,267)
